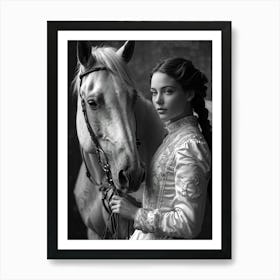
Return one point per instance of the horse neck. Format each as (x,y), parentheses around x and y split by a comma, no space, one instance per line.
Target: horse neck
(150,129)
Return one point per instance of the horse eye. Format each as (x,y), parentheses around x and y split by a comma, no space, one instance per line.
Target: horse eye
(93,104)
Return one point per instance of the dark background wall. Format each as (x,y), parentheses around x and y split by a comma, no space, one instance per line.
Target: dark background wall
(146,55)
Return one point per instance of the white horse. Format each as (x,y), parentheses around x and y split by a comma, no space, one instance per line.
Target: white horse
(118,131)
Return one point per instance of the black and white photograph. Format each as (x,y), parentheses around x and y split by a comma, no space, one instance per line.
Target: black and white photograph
(139,140)
(132,128)
(135,140)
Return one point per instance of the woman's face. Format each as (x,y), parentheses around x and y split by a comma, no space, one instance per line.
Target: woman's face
(168,96)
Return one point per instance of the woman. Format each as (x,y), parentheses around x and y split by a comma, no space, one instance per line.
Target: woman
(176,188)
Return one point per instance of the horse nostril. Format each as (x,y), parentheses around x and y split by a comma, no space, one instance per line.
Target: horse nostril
(123,180)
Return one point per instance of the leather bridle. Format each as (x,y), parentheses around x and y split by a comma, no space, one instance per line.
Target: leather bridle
(101,155)
(108,189)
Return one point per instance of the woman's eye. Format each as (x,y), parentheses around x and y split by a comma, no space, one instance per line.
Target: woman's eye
(153,93)
(93,104)
(169,91)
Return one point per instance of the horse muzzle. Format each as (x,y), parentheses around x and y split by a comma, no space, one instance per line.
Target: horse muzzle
(130,180)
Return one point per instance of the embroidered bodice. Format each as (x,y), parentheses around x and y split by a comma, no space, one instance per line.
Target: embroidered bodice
(175,192)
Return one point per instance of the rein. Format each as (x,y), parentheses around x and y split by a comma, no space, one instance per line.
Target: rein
(108,188)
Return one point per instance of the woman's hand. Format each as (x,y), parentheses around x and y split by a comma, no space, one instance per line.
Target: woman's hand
(123,206)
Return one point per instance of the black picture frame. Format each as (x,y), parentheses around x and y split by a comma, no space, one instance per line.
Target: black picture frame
(53,252)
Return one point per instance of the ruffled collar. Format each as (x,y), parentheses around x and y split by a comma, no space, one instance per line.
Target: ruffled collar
(175,125)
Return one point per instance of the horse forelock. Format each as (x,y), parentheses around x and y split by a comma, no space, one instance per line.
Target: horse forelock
(105,57)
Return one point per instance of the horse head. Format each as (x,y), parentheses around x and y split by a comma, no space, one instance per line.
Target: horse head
(105,111)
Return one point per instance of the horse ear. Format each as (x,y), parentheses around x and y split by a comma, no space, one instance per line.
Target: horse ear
(83,52)
(126,51)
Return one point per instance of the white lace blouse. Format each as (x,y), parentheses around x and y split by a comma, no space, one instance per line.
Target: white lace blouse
(175,193)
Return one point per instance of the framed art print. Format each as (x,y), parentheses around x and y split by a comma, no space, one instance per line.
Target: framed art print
(102,146)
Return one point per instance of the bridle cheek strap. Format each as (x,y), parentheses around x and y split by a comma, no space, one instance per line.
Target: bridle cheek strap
(103,162)
(102,157)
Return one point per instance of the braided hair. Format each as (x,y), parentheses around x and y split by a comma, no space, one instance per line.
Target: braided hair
(190,78)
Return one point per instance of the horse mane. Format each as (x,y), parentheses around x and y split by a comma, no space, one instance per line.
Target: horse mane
(106,56)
